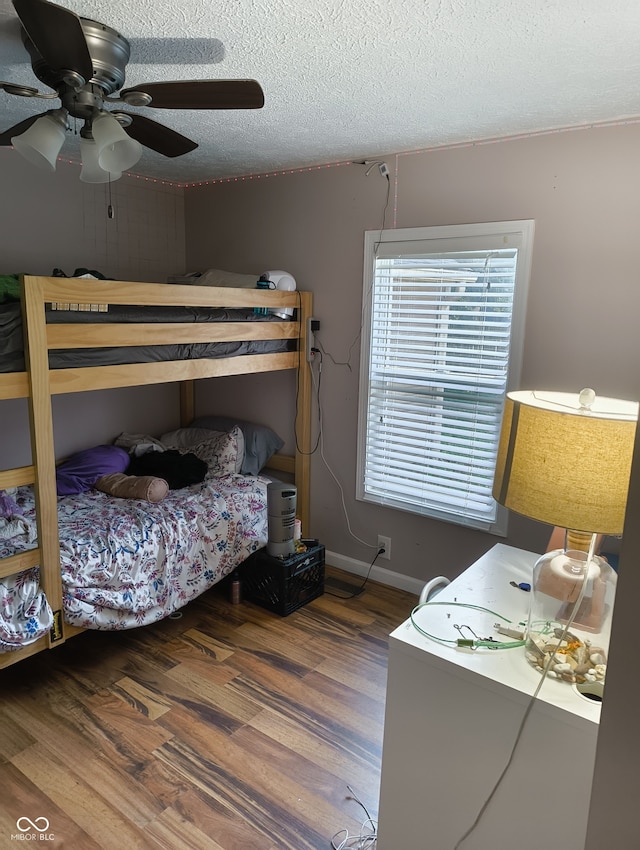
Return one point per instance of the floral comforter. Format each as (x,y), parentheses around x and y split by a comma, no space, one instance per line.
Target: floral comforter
(128,562)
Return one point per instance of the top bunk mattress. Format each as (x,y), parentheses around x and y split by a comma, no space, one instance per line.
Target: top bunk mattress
(12,341)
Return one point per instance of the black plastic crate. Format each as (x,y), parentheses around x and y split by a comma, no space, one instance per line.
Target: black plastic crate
(283,584)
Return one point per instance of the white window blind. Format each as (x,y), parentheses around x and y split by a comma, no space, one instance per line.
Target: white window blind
(438,356)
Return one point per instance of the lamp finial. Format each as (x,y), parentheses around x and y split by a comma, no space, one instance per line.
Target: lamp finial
(586,398)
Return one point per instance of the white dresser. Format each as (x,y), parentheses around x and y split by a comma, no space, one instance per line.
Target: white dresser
(452,717)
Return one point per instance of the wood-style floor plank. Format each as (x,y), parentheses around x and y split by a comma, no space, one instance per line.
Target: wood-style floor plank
(227,728)
(88,808)
(21,798)
(216,828)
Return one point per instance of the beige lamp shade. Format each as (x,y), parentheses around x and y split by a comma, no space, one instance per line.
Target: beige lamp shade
(565,459)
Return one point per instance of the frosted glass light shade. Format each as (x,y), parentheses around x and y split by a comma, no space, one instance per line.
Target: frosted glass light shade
(116,150)
(91,171)
(42,142)
(564,463)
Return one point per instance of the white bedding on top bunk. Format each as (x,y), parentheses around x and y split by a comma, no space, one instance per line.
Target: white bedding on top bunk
(127,562)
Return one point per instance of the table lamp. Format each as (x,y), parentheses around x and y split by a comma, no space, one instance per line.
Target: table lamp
(565,459)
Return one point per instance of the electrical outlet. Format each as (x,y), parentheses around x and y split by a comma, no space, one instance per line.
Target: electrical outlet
(385,543)
(313,326)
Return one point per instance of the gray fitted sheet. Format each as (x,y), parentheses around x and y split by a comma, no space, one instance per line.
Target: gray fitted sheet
(11,338)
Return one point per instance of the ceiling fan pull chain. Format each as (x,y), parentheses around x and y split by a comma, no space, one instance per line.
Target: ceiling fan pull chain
(110,211)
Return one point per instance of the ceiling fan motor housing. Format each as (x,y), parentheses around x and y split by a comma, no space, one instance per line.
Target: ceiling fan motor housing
(109,53)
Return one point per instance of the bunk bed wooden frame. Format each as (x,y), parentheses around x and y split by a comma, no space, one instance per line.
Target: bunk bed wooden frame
(39,383)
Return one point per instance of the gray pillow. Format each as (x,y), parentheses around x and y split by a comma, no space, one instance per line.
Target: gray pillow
(260,441)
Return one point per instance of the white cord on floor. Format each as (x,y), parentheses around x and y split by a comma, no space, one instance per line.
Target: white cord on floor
(364,840)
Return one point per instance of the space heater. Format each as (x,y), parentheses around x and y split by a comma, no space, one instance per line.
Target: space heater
(281,512)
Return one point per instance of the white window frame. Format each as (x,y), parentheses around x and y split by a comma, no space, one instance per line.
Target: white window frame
(431,240)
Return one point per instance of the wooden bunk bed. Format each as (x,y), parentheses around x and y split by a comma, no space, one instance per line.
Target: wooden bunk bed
(39,382)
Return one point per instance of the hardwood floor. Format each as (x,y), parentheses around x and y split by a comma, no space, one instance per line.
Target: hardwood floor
(229,728)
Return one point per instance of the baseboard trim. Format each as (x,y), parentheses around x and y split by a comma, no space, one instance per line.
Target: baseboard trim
(379,574)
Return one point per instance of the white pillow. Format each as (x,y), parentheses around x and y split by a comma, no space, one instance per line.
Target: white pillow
(222,451)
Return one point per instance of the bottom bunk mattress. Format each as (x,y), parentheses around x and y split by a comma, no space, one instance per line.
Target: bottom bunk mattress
(128,562)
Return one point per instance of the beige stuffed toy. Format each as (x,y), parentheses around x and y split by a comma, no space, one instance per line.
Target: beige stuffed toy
(146,487)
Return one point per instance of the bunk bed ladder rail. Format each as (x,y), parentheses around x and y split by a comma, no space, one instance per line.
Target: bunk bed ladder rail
(42,449)
(18,477)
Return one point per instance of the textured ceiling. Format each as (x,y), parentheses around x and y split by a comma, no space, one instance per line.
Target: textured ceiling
(352,79)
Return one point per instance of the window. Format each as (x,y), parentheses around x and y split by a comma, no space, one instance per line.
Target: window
(443,327)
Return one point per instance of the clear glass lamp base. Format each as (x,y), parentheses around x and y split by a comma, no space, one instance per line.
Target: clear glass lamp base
(570,616)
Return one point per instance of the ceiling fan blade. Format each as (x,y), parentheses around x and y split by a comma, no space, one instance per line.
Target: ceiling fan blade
(201,94)
(57,35)
(18,129)
(156,136)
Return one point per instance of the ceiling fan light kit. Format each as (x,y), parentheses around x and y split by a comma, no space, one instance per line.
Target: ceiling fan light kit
(84,61)
(91,171)
(43,140)
(116,150)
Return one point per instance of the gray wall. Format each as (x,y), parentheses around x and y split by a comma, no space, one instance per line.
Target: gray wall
(580,187)
(581,323)
(52,220)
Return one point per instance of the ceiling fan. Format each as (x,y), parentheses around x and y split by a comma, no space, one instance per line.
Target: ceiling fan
(84,62)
